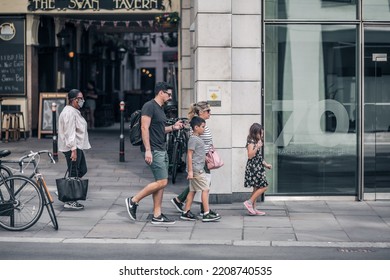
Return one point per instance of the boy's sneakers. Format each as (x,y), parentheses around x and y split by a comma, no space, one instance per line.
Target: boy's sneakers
(162,220)
(73,205)
(211,212)
(131,208)
(178,205)
(249,206)
(188,216)
(210,217)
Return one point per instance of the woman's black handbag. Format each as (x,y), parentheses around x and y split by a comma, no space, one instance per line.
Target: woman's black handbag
(72,188)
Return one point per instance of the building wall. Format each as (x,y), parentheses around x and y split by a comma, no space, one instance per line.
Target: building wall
(225,52)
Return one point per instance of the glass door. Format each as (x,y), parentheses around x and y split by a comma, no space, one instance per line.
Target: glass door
(377,112)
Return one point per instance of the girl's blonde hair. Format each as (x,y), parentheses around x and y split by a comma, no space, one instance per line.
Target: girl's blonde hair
(197,107)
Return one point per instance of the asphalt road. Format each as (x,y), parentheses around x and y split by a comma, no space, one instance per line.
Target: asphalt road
(87,251)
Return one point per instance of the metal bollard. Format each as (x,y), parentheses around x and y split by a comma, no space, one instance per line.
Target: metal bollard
(122,137)
(55,144)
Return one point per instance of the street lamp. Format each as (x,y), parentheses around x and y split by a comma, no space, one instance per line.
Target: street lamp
(121,52)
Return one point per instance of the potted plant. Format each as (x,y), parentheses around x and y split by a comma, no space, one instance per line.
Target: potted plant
(167,20)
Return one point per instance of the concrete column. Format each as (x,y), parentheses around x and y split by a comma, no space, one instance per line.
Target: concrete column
(246,84)
(212,54)
(32,26)
(227,57)
(186,96)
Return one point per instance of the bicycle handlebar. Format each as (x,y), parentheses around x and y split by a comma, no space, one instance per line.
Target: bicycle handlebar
(32,155)
(174,120)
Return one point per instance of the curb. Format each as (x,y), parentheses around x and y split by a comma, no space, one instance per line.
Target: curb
(199,242)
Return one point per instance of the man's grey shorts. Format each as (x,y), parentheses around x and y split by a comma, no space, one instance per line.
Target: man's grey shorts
(160,165)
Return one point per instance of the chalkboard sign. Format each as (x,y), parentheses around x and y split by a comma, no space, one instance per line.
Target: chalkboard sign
(12,58)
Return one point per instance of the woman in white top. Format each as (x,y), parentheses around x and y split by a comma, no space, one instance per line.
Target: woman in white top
(201,109)
(73,138)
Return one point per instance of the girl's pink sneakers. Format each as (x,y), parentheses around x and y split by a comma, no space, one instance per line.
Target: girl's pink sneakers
(259,213)
(252,211)
(249,206)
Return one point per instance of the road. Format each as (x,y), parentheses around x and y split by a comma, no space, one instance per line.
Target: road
(161,261)
(88,251)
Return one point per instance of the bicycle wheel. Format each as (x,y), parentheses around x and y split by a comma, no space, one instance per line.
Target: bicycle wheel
(20,203)
(48,202)
(5,171)
(176,157)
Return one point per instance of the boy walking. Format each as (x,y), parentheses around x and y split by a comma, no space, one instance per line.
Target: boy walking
(196,173)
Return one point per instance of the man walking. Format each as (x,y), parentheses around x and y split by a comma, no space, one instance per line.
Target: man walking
(153,145)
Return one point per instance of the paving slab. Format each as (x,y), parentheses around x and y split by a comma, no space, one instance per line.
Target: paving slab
(323,236)
(322,223)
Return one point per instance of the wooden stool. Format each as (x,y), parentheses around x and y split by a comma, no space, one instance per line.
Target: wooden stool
(11,126)
(21,124)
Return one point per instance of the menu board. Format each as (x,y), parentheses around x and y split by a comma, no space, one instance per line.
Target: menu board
(46,99)
(12,57)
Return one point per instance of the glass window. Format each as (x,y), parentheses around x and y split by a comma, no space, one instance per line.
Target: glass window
(376,109)
(376,10)
(311,103)
(311,9)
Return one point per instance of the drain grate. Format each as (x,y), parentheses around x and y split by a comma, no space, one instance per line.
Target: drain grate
(354,250)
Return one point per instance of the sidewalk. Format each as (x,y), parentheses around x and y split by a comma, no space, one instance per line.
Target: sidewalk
(105,218)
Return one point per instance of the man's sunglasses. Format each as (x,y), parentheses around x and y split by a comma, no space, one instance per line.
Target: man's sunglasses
(169,94)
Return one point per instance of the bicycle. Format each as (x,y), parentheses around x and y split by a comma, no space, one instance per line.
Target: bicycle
(4,170)
(21,199)
(177,147)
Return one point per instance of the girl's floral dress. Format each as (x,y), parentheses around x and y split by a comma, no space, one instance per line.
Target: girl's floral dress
(255,171)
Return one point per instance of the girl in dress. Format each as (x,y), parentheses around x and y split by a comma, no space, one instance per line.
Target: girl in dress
(255,168)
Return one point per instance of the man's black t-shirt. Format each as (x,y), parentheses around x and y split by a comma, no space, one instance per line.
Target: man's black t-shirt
(157,125)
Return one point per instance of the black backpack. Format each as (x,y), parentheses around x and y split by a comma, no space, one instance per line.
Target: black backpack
(135,128)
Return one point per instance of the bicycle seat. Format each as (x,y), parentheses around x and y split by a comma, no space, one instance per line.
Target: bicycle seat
(170,105)
(4,153)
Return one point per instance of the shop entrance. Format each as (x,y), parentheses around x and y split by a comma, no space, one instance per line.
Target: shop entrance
(122,55)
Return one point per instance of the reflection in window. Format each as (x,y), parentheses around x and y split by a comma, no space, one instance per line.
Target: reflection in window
(310,76)
(376,110)
(319,9)
(376,10)
(340,1)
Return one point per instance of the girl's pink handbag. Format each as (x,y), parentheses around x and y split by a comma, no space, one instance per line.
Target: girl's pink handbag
(213,160)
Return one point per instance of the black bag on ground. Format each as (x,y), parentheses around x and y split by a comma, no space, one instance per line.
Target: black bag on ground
(135,128)
(71,188)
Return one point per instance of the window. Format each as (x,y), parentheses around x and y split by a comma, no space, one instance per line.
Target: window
(310,108)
